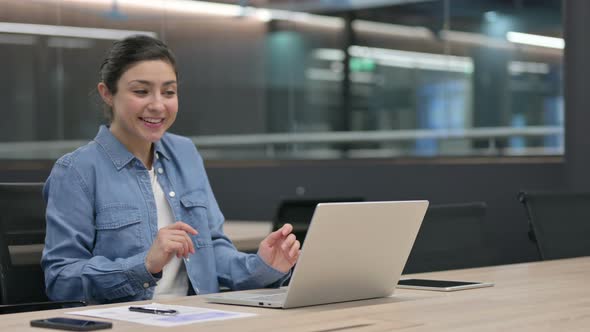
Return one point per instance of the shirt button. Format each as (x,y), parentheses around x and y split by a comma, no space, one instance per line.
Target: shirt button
(160,170)
(172,194)
(146,285)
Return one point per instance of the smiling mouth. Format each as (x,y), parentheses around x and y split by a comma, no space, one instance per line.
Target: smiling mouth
(152,120)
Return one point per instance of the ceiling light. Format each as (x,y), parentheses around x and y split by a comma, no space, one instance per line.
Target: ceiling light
(69,31)
(393,29)
(535,40)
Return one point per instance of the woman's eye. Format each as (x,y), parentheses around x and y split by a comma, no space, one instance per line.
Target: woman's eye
(170,93)
(140,92)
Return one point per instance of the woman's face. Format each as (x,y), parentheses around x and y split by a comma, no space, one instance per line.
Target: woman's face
(145,104)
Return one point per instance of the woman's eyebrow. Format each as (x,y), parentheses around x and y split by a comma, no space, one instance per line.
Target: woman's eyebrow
(151,83)
(140,82)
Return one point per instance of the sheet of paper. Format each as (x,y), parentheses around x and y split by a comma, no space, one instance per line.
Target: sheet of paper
(186,315)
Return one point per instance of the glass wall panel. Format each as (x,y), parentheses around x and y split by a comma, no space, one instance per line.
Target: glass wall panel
(299,79)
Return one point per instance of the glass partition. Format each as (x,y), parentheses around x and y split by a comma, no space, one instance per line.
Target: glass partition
(299,79)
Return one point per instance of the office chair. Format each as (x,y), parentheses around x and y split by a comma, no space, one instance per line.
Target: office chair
(22,235)
(298,212)
(559,222)
(451,237)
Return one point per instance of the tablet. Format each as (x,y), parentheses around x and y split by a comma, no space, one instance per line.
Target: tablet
(441,285)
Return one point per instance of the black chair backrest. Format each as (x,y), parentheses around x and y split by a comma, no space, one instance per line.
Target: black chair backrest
(560,222)
(22,235)
(38,306)
(299,212)
(452,236)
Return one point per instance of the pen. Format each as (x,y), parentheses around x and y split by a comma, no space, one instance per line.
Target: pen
(154,311)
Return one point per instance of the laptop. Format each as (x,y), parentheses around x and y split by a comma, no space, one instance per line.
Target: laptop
(353,251)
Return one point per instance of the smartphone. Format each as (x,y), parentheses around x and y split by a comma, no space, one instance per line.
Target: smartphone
(441,285)
(70,324)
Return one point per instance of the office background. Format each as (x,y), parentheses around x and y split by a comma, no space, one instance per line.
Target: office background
(436,103)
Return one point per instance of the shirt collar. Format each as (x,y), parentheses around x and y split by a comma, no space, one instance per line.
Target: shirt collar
(118,153)
(160,149)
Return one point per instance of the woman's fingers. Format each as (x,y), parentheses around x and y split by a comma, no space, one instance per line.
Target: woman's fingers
(177,236)
(288,242)
(171,240)
(294,249)
(277,235)
(286,229)
(190,246)
(184,227)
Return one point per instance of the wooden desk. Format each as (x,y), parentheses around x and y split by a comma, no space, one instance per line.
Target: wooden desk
(542,296)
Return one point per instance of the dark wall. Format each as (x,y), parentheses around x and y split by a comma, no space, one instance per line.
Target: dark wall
(249,191)
(254,192)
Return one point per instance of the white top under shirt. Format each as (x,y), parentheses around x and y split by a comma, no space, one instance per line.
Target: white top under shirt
(174,280)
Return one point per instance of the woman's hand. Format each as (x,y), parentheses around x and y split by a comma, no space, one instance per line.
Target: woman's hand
(171,240)
(280,249)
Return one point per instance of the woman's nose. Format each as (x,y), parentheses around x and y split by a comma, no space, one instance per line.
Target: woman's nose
(157,104)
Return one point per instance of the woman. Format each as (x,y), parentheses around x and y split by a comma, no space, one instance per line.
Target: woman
(131,215)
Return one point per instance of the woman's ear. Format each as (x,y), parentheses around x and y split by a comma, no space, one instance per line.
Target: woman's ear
(105,94)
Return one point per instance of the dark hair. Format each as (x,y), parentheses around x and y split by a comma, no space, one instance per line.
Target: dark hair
(128,52)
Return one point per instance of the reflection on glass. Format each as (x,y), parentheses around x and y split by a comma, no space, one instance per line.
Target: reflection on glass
(300,79)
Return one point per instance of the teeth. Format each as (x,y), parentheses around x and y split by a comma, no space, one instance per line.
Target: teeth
(152,120)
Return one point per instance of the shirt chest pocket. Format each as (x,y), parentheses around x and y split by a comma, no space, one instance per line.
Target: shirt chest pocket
(118,231)
(195,205)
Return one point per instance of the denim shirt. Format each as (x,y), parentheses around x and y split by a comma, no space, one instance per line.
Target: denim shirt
(102,220)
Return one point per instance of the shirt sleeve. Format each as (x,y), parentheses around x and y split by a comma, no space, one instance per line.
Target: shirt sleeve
(72,272)
(235,269)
